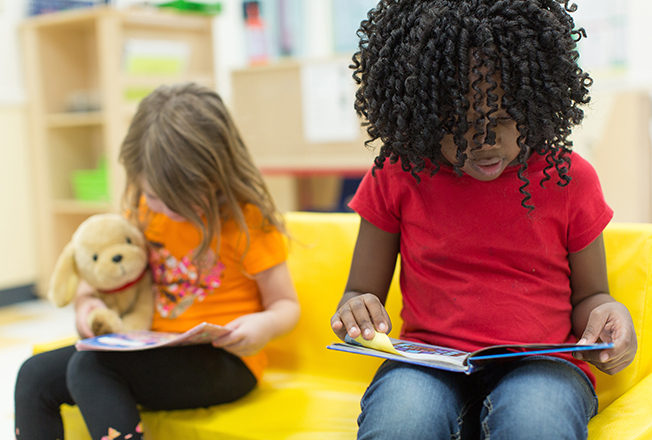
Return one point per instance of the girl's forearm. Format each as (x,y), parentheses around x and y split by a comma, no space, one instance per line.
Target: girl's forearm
(283,315)
(84,293)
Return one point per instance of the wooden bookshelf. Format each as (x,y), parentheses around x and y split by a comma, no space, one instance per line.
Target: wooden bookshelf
(83,51)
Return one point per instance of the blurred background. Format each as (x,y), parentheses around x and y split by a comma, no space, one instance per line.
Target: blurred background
(73,71)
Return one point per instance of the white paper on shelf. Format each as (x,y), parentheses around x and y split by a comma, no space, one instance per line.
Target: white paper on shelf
(328,94)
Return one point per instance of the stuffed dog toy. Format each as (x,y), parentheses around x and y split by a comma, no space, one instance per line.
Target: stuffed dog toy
(110,254)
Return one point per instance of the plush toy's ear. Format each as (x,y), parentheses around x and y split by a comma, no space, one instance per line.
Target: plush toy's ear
(64,280)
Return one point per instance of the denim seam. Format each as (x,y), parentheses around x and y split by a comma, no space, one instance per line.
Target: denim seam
(485,425)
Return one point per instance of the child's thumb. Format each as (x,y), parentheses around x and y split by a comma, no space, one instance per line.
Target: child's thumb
(233,324)
(597,321)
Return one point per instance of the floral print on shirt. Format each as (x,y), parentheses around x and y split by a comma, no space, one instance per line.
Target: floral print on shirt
(179,283)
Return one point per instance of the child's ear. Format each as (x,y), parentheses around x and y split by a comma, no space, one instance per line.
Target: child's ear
(64,280)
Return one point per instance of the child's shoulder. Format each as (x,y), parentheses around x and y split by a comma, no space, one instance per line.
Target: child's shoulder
(396,170)
(254,220)
(580,168)
(252,214)
(577,161)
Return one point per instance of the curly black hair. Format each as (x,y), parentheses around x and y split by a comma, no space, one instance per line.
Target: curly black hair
(414,65)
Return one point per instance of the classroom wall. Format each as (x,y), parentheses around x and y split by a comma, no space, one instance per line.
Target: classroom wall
(17,245)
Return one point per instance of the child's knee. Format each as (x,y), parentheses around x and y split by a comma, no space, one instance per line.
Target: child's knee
(80,366)
(540,399)
(412,402)
(31,379)
(37,383)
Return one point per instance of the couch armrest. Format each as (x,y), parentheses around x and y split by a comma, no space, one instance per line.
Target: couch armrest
(53,345)
(628,417)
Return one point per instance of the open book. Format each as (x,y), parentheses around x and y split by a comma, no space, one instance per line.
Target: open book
(444,358)
(203,333)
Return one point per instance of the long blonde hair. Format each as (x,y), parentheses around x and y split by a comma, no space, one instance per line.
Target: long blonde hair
(184,144)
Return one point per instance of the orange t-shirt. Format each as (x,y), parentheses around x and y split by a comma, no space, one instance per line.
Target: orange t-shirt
(186,296)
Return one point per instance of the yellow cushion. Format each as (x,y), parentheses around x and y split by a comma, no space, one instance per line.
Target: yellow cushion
(313,393)
(625,398)
(628,417)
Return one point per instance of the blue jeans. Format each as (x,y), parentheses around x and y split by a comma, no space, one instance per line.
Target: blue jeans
(532,398)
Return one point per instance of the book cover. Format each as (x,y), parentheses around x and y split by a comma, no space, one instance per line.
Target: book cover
(203,333)
(450,359)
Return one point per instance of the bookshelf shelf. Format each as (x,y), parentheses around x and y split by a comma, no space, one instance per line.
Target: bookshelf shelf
(77,207)
(74,119)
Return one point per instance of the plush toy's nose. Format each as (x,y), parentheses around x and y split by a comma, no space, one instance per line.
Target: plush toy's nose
(117,258)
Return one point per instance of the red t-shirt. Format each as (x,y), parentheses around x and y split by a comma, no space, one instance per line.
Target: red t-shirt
(476,268)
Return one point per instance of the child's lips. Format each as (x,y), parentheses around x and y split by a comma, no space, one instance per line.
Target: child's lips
(487,162)
(489,167)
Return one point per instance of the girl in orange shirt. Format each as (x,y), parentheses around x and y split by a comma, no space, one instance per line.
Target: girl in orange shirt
(217,255)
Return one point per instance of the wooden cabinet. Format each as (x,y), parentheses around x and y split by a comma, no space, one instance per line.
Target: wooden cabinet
(83,90)
(271,104)
(622,155)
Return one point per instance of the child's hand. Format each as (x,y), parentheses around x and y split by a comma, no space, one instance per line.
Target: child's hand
(361,315)
(84,307)
(248,335)
(610,322)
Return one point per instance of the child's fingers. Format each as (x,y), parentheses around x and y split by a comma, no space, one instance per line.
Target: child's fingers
(236,346)
(595,356)
(228,339)
(349,322)
(363,318)
(362,315)
(338,326)
(606,361)
(345,320)
(614,366)
(379,316)
(594,327)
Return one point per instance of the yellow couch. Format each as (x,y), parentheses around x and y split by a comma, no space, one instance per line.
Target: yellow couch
(310,392)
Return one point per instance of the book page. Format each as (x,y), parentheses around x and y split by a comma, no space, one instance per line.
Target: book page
(380,341)
(203,333)
(412,350)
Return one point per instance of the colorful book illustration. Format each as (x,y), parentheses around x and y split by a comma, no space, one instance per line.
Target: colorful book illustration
(203,333)
(444,358)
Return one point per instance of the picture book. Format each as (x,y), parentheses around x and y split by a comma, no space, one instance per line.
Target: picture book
(444,358)
(203,333)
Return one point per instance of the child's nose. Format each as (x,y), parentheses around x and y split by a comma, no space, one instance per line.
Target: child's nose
(484,140)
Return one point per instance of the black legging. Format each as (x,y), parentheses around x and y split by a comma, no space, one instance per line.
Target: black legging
(109,387)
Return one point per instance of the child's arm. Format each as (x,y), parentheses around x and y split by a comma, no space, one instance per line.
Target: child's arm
(85,302)
(361,309)
(250,333)
(596,315)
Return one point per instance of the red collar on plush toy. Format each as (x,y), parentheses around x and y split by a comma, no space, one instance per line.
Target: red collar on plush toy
(126,286)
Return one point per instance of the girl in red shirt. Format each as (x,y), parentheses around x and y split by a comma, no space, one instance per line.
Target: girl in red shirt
(472,102)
